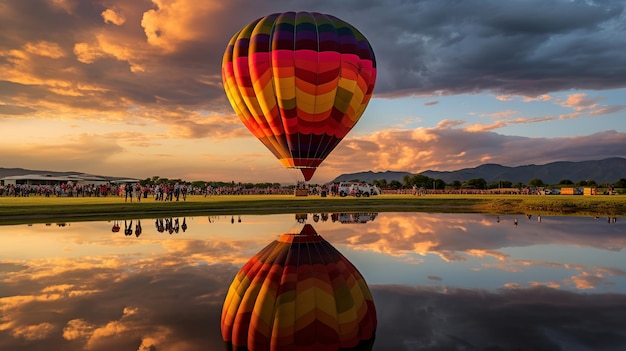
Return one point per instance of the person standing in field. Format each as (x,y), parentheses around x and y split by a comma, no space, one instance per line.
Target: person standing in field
(138,192)
(128,190)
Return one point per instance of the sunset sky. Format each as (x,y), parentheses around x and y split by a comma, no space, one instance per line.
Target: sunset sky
(133,88)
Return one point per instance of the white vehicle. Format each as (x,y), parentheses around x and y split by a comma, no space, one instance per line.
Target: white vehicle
(357,189)
(356,217)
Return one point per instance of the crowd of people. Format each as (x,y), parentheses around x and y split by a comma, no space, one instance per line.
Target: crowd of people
(177,191)
(130,192)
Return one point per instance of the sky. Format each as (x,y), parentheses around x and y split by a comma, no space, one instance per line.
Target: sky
(134,88)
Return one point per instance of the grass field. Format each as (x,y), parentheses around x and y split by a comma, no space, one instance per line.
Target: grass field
(17,210)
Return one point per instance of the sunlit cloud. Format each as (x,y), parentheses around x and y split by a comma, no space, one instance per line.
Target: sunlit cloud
(33,332)
(438,148)
(607,110)
(112,16)
(580,102)
(504,98)
(500,115)
(485,127)
(488,253)
(174,22)
(45,48)
(542,97)
(88,53)
(553,285)
(586,281)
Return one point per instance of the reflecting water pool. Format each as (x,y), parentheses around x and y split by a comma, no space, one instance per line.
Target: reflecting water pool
(438,281)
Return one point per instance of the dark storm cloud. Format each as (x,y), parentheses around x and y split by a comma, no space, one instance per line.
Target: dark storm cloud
(452,47)
(157,54)
(522,47)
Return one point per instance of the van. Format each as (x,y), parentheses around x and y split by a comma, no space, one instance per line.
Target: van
(357,189)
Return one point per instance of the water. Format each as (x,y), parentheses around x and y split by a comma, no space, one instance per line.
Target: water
(439,281)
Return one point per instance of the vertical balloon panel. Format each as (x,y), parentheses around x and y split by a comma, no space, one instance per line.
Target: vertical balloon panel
(299,82)
(299,293)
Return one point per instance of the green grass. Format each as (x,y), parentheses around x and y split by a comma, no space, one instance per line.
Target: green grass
(35,209)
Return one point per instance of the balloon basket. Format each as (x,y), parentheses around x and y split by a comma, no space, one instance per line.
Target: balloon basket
(301,192)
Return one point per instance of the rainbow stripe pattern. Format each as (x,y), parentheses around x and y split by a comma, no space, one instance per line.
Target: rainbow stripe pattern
(298,293)
(299,82)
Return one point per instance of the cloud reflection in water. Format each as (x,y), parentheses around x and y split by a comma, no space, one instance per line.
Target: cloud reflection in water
(439,281)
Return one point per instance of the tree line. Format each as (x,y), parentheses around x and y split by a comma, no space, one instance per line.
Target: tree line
(422,181)
(202,184)
(417,180)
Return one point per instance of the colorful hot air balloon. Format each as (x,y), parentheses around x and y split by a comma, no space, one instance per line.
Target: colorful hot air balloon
(299,82)
(299,293)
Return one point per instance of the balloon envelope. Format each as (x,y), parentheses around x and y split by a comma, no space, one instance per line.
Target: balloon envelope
(299,293)
(299,82)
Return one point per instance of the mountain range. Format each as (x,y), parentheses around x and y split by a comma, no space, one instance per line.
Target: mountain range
(607,170)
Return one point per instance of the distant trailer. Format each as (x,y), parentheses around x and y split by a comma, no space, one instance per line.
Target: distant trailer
(590,191)
(572,191)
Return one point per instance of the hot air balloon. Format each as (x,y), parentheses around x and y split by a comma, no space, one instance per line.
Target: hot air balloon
(299,82)
(298,293)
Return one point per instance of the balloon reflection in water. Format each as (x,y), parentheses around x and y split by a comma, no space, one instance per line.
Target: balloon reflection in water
(299,293)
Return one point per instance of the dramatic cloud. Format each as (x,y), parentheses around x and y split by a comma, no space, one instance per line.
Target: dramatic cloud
(444,148)
(158,63)
(139,51)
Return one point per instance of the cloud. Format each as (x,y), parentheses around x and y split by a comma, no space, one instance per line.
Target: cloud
(15,110)
(158,63)
(45,49)
(453,48)
(111,16)
(607,110)
(580,102)
(439,148)
(586,281)
(169,52)
(501,114)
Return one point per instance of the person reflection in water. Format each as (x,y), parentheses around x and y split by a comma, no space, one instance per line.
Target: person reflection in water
(138,228)
(128,229)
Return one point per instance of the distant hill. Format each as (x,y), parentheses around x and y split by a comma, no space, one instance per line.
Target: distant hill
(608,170)
(370,176)
(8,172)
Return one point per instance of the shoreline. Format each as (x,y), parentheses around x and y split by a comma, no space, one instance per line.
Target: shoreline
(17,210)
